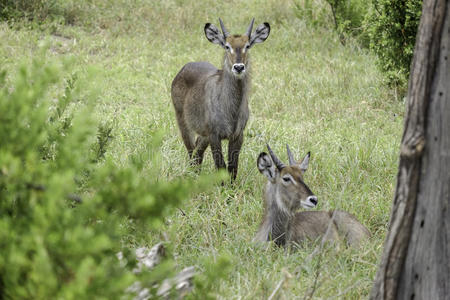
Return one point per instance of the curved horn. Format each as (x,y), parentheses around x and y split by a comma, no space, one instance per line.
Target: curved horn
(250,27)
(275,159)
(224,30)
(290,156)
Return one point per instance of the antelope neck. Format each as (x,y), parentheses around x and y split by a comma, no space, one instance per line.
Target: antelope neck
(278,217)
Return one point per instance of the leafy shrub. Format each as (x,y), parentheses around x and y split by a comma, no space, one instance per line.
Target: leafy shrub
(215,269)
(348,16)
(387,27)
(392,28)
(64,208)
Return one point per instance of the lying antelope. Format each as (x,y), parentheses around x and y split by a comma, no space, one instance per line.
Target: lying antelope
(285,193)
(212,103)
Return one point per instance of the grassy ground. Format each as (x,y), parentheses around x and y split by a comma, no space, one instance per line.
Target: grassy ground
(308,90)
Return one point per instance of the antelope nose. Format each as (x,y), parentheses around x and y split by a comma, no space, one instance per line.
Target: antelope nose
(238,68)
(312,200)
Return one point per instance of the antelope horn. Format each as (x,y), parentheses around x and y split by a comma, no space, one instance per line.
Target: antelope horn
(290,156)
(275,159)
(250,27)
(224,30)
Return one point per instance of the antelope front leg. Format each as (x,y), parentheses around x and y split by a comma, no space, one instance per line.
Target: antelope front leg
(234,148)
(200,146)
(216,149)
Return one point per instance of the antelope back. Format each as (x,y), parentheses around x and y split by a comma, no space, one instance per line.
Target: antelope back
(332,226)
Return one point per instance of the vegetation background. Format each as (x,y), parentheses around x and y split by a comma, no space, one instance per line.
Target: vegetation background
(309,89)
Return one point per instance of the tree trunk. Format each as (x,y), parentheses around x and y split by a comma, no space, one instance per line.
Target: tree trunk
(416,260)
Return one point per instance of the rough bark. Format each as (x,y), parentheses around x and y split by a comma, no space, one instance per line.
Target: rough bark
(416,260)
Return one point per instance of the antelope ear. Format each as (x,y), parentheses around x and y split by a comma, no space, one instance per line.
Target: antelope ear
(266,166)
(260,35)
(214,35)
(305,162)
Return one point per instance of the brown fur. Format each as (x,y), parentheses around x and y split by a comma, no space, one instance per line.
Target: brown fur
(283,224)
(332,226)
(212,104)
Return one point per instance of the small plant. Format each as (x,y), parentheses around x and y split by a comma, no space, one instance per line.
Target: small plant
(104,137)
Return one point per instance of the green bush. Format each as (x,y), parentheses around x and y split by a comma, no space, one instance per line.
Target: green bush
(64,208)
(387,27)
(348,16)
(392,28)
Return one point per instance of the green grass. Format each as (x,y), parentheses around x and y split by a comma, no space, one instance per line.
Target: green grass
(307,90)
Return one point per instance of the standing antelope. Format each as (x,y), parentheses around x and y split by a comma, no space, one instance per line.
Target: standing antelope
(286,192)
(212,103)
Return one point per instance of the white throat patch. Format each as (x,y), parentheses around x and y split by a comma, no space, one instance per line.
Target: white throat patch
(280,203)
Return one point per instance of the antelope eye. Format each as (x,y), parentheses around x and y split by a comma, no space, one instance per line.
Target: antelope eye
(286,179)
(227,47)
(247,46)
